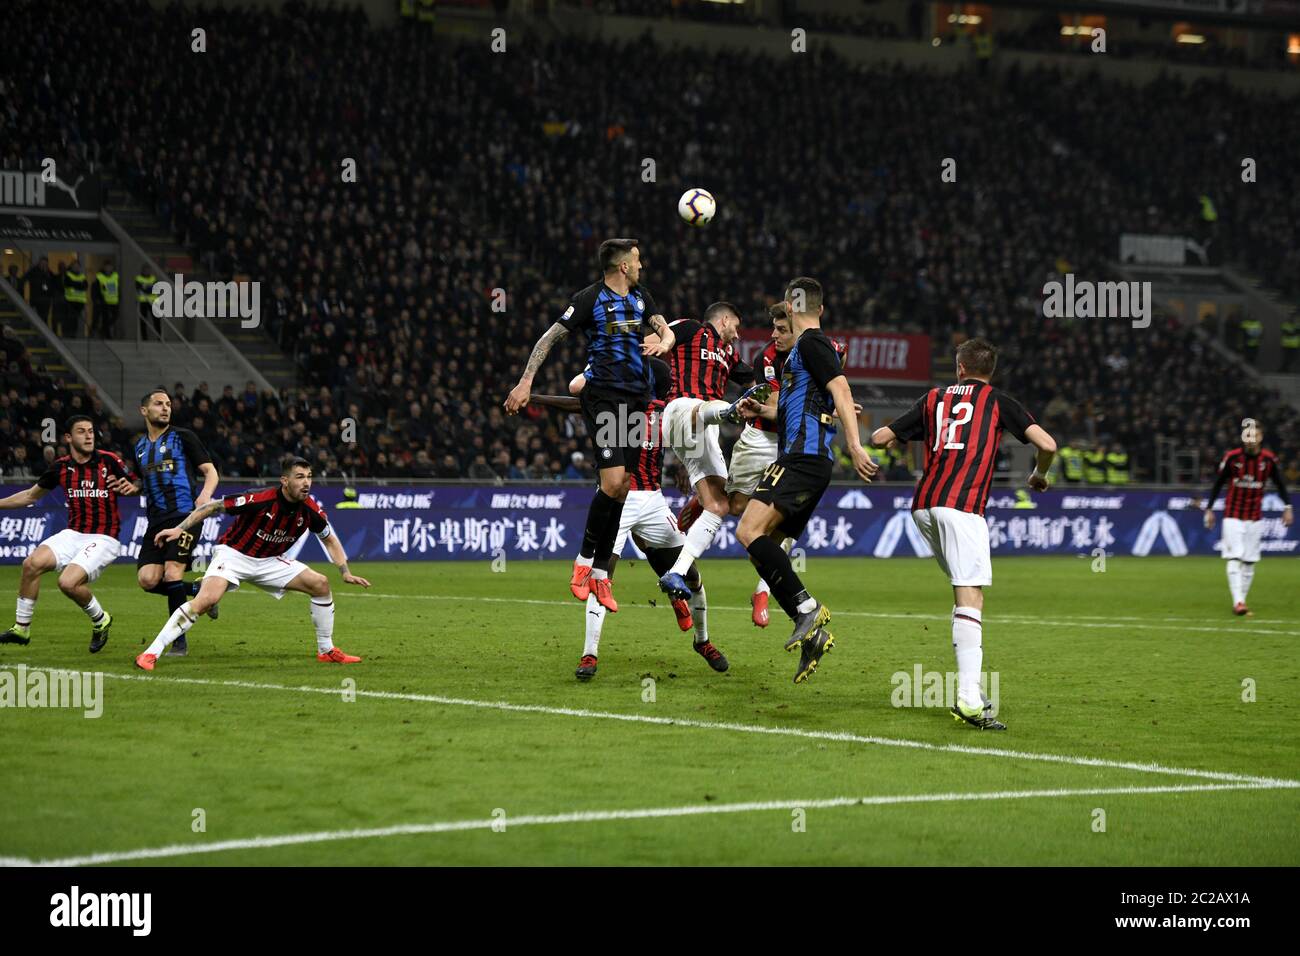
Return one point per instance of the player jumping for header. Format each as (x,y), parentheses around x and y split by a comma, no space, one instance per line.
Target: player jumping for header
(962,426)
(267,524)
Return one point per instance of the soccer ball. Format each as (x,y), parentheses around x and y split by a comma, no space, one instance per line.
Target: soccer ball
(696,207)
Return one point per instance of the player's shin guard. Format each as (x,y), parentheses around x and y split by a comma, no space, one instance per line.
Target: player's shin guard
(25,611)
(1247,576)
(1234,580)
(178,592)
(967,642)
(605,533)
(711,412)
(595,622)
(774,567)
(182,620)
(597,515)
(698,540)
(699,607)
(322,617)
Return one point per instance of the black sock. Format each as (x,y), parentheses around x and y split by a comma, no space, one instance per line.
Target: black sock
(194,587)
(596,515)
(607,534)
(177,594)
(774,567)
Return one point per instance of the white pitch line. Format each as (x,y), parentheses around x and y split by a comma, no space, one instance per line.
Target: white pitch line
(1007,618)
(598,816)
(832,735)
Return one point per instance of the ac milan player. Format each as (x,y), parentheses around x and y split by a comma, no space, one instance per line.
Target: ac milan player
(1245,471)
(962,427)
(267,524)
(91,480)
(647,519)
(703,360)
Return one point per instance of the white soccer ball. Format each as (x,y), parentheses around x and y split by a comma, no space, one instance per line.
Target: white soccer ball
(696,207)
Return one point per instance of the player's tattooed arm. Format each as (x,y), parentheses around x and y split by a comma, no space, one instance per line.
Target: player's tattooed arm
(665,341)
(197,516)
(24,498)
(518,396)
(334,548)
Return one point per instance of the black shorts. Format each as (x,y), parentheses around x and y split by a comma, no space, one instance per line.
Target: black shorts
(794,484)
(616,423)
(181,550)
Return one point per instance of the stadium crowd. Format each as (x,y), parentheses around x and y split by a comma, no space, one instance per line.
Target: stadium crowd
(411,298)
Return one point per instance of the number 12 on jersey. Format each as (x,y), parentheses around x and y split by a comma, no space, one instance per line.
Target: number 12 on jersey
(963,411)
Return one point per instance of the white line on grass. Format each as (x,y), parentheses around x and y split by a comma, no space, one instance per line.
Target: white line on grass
(832,735)
(599,816)
(1082,621)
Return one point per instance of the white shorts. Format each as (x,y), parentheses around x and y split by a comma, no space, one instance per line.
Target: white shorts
(646,513)
(750,456)
(271,574)
(1241,539)
(960,542)
(698,448)
(90,552)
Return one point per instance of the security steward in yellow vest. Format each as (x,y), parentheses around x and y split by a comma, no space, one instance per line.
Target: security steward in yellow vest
(1071,460)
(1094,466)
(1117,467)
(1252,332)
(74,301)
(144,299)
(108,289)
(1290,343)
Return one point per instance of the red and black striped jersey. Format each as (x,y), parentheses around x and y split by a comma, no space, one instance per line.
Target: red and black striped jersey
(768,369)
(701,364)
(267,523)
(646,473)
(1246,475)
(92,505)
(962,427)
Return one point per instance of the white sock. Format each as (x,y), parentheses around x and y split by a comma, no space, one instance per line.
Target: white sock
(26,608)
(93,610)
(967,641)
(595,621)
(597,574)
(806,605)
(322,615)
(762,588)
(580,561)
(711,412)
(698,540)
(181,621)
(1247,575)
(1234,580)
(698,610)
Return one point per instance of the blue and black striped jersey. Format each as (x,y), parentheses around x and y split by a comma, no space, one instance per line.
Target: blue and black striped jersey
(805,407)
(613,324)
(168,466)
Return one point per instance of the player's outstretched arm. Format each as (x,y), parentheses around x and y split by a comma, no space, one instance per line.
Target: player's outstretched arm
(1046,445)
(844,408)
(883,437)
(519,395)
(566,403)
(21,499)
(195,517)
(664,339)
(210,481)
(334,548)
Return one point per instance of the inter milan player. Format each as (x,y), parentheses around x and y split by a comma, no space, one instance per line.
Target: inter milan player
(647,519)
(168,460)
(962,427)
(1245,470)
(612,313)
(813,390)
(267,523)
(92,480)
(703,361)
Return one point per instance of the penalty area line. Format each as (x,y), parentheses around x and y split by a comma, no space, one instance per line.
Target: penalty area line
(599,816)
(724,726)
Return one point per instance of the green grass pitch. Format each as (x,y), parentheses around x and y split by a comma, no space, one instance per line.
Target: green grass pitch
(1137,678)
